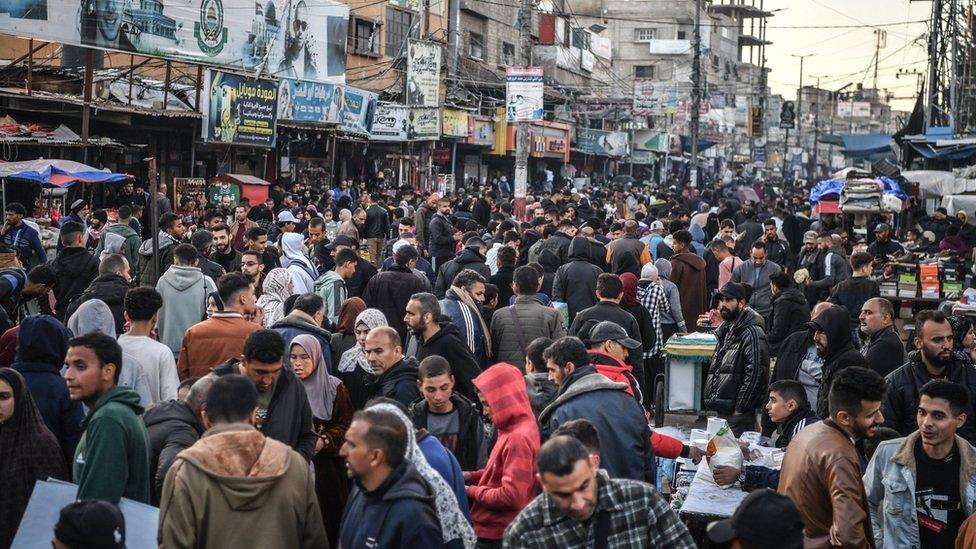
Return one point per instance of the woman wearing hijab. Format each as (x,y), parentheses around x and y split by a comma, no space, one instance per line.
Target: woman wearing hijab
(451,507)
(353,369)
(344,337)
(963,339)
(28,452)
(303,273)
(630,304)
(277,287)
(347,226)
(331,415)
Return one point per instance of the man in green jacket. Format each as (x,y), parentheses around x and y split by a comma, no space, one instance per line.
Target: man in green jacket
(332,284)
(131,239)
(112,458)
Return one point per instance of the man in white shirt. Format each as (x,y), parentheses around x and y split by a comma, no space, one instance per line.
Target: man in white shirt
(149,369)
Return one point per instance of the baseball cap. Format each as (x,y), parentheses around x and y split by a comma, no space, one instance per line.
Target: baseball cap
(657,226)
(882,227)
(764,519)
(611,331)
(341,240)
(91,523)
(734,290)
(286,216)
(810,237)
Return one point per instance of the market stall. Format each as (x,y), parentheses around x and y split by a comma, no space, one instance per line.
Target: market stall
(250,187)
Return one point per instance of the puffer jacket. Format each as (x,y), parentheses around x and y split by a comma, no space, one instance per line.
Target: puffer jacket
(840,353)
(507,484)
(558,244)
(441,236)
(889,483)
(468,258)
(536,320)
(739,370)
(790,313)
(575,282)
(398,383)
(625,447)
(901,399)
(144,265)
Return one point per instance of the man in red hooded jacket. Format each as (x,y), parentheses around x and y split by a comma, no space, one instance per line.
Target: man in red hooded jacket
(500,491)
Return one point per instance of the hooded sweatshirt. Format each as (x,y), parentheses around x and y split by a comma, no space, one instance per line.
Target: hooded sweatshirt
(688,274)
(575,282)
(398,383)
(303,273)
(332,288)
(500,491)
(840,352)
(42,343)
(76,268)
(112,458)
(144,265)
(184,291)
(237,475)
(172,427)
(130,246)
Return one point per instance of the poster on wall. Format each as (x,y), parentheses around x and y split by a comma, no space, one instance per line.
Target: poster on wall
(481,130)
(454,123)
(423,73)
(304,101)
(390,123)
(650,140)
(424,124)
(358,109)
(523,94)
(654,97)
(285,38)
(240,110)
(601,142)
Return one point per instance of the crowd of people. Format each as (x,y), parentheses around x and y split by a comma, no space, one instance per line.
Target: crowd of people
(389,368)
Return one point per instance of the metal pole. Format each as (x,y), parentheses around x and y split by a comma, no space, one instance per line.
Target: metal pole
(30,67)
(954,82)
(522,128)
(86,108)
(934,32)
(695,95)
(454,41)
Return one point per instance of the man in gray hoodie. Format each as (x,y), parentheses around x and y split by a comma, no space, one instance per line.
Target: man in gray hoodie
(184,289)
(130,239)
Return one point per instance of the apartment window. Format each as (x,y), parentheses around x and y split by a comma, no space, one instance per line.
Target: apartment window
(364,37)
(644,35)
(476,45)
(681,35)
(508,54)
(581,39)
(715,62)
(399,27)
(644,71)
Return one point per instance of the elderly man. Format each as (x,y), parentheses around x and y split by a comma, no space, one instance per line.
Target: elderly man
(755,274)
(396,375)
(881,345)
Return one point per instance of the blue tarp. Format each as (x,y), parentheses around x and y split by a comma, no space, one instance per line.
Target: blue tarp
(57,177)
(862,144)
(833,187)
(930,151)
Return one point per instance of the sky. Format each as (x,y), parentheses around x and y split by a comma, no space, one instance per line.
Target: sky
(843,55)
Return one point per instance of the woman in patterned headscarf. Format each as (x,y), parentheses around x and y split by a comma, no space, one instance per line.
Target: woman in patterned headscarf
(277,288)
(353,369)
(344,338)
(963,341)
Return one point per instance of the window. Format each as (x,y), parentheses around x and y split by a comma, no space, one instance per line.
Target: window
(399,27)
(715,62)
(364,37)
(476,45)
(644,35)
(581,38)
(508,54)
(644,71)
(681,35)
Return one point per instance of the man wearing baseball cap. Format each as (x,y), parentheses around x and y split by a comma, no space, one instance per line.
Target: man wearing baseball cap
(91,524)
(883,246)
(763,520)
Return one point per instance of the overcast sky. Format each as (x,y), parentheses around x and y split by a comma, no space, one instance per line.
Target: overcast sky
(843,55)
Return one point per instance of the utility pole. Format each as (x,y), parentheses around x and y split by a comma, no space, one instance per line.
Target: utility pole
(522,128)
(934,32)
(816,134)
(428,181)
(799,102)
(696,95)
(880,41)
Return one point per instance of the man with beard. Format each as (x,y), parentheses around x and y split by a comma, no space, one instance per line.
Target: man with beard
(934,359)
(396,375)
(883,246)
(252,267)
(224,254)
(882,346)
(822,470)
(439,336)
(238,230)
(739,370)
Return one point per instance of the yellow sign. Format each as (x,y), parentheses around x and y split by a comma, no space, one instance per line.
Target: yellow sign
(454,123)
(501,133)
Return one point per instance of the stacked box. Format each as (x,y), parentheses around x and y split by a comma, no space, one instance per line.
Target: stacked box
(889,288)
(929,278)
(908,285)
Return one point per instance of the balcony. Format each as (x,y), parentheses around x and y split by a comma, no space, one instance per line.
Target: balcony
(669,47)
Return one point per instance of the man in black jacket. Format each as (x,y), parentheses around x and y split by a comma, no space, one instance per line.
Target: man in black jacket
(203,241)
(777,249)
(472,256)
(609,291)
(505,276)
(441,240)
(390,291)
(575,281)
(832,336)
(109,286)
(283,411)
(75,266)
(882,346)
(934,359)
(376,229)
(790,310)
(853,292)
(436,336)
(396,375)
(446,415)
(558,243)
(174,426)
(224,254)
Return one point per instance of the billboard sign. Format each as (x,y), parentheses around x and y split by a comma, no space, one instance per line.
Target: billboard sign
(358,109)
(240,110)
(390,123)
(523,94)
(303,101)
(423,73)
(424,124)
(454,122)
(654,97)
(601,142)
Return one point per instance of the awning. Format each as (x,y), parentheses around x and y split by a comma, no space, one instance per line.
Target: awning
(241,179)
(933,151)
(58,173)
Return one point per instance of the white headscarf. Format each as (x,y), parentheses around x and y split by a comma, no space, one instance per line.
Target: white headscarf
(372,318)
(291,247)
(272,299)
(453,524)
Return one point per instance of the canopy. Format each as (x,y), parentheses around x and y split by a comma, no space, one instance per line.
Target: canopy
(58,173)
(937,184)
(829,189)
(241,179)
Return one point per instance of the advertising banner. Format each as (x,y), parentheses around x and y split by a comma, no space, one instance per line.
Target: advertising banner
(424,124)
(481,131)
(390,123)
(285,38)
(650,140)
(856,109)
(654,97)
(240,110)
(642,157)
(523,94)
(304,101)
(454,123)
(601,142)
(358,109)
(423,73)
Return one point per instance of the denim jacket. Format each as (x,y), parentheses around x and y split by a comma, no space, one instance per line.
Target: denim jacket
(890,486)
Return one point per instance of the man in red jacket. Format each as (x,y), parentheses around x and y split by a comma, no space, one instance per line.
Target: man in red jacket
(500,491)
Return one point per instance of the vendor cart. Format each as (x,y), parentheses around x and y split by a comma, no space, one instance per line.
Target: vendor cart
(679,388)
